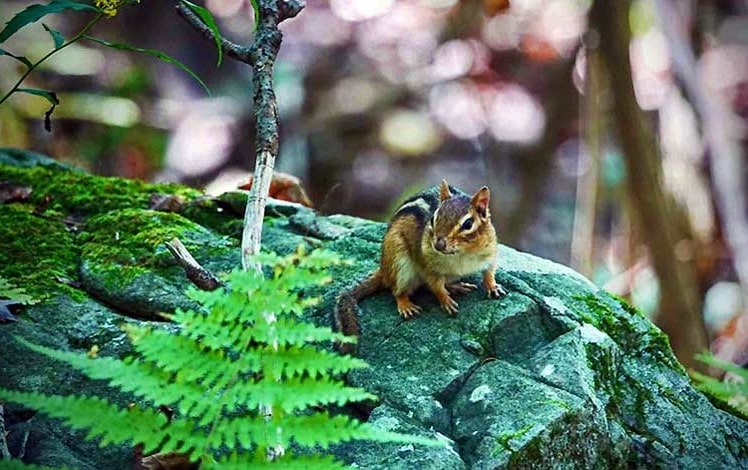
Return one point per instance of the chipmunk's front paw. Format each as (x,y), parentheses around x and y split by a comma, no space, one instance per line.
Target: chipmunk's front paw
(495,291)
(406,308)
(449,305)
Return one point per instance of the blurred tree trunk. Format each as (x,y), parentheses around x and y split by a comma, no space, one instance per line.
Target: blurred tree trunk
(537,162)
(659,220)
(588,182)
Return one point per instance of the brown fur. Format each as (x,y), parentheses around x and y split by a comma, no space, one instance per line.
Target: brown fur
(434,252)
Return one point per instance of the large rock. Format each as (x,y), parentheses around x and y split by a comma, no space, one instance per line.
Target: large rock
(555,374)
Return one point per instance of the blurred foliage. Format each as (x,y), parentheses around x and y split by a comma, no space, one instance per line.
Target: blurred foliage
(732,391)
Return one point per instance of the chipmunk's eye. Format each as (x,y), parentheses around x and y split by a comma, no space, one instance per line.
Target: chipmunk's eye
(467,225)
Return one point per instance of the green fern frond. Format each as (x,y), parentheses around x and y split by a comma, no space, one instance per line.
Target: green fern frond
(292,394)
(734,393)
(293,361)
(136,377)
(191,360)
(102,419)
(287,331)
(220,368)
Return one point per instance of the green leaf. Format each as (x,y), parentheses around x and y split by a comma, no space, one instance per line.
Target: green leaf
(154,53)
(36,12)
(20,58)
(56,36)
(101,418)
(210,22)
(256,8)
(51,96)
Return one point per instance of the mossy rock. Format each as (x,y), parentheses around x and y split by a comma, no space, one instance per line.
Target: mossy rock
(555,374)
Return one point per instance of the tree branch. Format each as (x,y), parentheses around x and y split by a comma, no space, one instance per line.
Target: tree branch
(264,50)
(261,56)
(231,49)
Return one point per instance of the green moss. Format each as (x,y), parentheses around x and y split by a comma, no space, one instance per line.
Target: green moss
(130,242)
(216,216)
(628,327)
(40,253)
(59,191)
(503,439)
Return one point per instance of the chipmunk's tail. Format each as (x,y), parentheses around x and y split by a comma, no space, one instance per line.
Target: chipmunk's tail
(346,309)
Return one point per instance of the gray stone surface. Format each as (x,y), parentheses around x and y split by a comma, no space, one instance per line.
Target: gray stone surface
(555,375)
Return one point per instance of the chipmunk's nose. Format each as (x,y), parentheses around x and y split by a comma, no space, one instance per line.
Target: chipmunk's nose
(440,244)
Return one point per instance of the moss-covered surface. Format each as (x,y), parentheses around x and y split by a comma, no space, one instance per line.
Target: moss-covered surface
(130,242)
(555,374)
(61,191)
(39,254)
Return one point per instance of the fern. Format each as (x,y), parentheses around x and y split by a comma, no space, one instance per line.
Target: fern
(733,393)
(17,294)
(243,352)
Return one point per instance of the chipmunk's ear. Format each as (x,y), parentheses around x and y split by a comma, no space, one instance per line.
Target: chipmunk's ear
(480,200)
(444,192)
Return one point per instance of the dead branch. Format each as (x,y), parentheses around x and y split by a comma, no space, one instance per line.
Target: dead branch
(4,451)
(201,277)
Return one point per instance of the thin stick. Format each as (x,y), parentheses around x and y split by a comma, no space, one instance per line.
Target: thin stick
(199,276)
(4,451)
(261,56)
(264,48)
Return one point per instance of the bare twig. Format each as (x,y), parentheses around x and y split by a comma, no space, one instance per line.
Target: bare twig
(264,49)
(4,451)
(261,56)
(199,276)
(727,157)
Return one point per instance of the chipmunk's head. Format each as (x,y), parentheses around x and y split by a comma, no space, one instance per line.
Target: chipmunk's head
(459,220)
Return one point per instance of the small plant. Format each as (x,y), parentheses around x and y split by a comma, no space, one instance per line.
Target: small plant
(732,392)
(245,353)
(101,9)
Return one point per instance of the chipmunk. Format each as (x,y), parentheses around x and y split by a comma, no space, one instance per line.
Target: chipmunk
(433,239)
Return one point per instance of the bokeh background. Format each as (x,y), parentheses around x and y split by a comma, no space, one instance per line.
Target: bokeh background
(380,98)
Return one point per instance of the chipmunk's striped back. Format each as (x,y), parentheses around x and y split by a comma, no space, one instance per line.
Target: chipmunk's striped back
(422,205)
